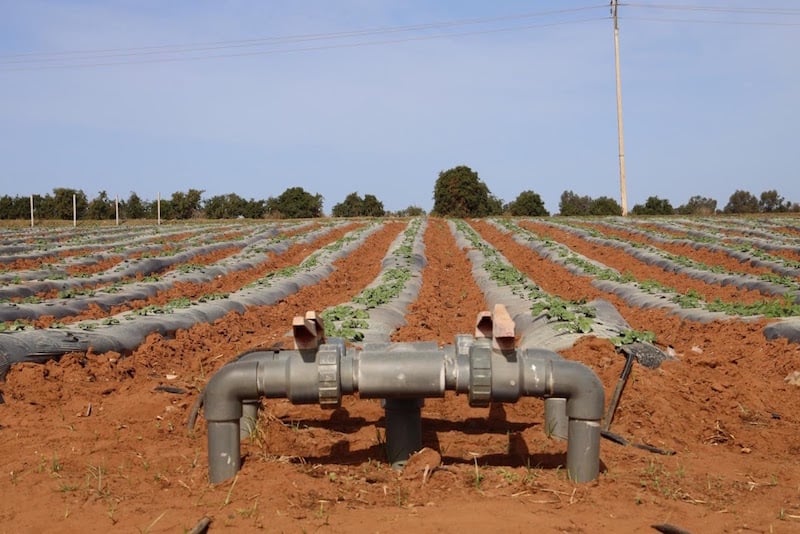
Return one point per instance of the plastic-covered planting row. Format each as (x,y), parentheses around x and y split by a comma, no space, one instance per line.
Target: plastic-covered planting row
(101,238)
(117,248)
(631,293)
(653,256)
(776,264)
(705,230)
(125,332)
(256,250)
(380,308)
(559,324)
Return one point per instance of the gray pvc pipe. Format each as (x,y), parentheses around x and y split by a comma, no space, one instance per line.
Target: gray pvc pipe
(403,430)
(404,374)
(224,394)
(583,450)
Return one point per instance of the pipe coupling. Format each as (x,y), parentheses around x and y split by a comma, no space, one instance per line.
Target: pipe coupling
(480,373)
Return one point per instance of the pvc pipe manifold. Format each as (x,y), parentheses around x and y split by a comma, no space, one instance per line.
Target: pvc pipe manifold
(484,366)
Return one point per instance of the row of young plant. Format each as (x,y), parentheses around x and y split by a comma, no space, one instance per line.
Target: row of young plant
(646,293)
(124,286)
(787,271)
(766,228)
(769,283)
(115,239)
(378,310)
(543,320)
(58,262)
(126,331)
(760,244)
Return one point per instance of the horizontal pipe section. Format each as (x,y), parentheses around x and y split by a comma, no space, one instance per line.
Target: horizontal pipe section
(403,374)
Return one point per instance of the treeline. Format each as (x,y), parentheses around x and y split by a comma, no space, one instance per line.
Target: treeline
(459,192)
(294,203)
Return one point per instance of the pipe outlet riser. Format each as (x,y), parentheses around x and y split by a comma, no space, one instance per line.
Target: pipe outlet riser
(224,459)
(583,450)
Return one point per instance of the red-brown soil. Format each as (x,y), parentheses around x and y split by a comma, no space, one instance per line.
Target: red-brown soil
(90,446)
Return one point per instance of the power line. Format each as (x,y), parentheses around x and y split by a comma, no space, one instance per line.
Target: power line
(718,9)
(263,41)
(300,49)
(712,21)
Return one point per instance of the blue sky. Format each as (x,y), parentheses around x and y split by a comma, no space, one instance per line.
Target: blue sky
(528,101)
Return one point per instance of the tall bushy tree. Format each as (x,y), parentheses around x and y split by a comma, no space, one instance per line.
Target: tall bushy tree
(134,207)
(459,192)
(742,202)
(605,206)
(771,202)
(355,206)
(295,203)
(372,207)
(225,206)
(101,207)
(185,205)
(527,204)
(14,207)
(59,206)
(653,206)
(349,207)
(698,205)
(574,204)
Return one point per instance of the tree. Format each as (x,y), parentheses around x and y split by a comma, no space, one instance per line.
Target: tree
(605,206)
(134,207)
(59,206)
(574,204)
(14,208)
(459,192)
(295,203)
(225,206)
(742,202)
(355,206)
(654,206)
(527,204)
(184,205)
(698,205)
(101,207)
(351,206)
(372,207)
(772,202)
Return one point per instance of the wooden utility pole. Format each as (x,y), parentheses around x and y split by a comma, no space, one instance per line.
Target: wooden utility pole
(620,135)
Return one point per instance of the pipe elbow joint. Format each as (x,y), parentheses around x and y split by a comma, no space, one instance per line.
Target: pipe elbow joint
(580,386)
(226,390)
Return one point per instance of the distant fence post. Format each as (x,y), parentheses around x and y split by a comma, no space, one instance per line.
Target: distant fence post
(74,211)
(31,211)
(158,202)
(116,207)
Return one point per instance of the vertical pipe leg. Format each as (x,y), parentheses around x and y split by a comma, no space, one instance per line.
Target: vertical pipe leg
(247,423)
(403,430)
(583,450)
(556,422)
(224,457)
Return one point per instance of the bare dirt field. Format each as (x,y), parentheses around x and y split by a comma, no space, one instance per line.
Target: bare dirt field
(91,445)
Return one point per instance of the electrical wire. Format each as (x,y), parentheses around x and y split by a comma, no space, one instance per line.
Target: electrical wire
(80,55)
(299,49)
(711,21)
(717,9)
